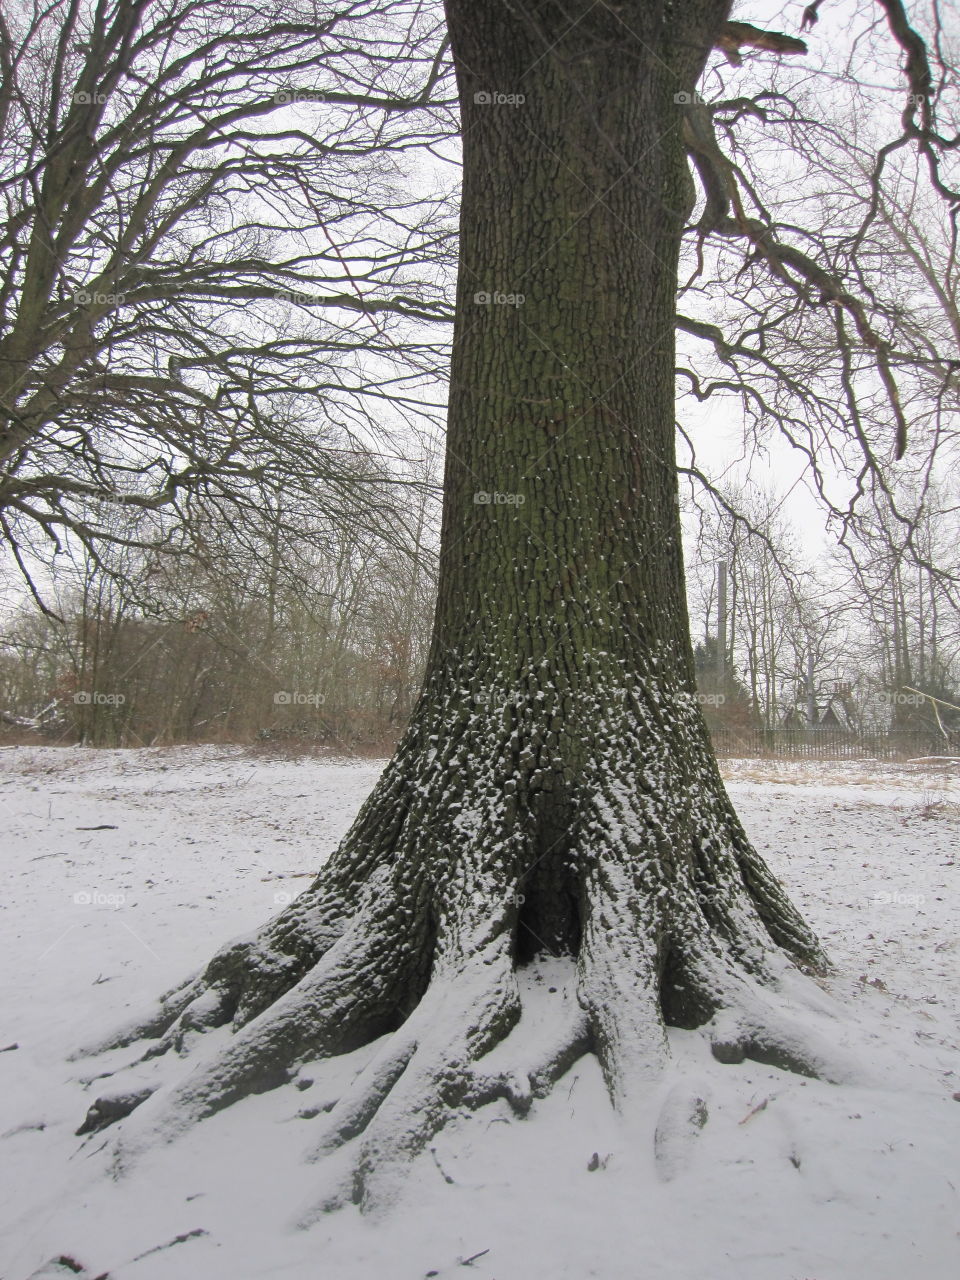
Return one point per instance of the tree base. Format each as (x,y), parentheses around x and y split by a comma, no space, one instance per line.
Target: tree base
(443,893)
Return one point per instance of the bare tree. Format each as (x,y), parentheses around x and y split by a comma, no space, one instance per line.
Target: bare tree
(217,280)
(802,311)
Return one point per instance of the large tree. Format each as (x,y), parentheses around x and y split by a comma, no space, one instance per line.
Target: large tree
(555,791)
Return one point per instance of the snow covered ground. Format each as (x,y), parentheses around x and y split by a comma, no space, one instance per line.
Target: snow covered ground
(125,869)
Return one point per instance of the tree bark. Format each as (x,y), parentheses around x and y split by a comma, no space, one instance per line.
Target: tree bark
(555,792)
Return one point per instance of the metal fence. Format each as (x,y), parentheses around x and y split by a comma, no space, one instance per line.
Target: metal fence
(830,744)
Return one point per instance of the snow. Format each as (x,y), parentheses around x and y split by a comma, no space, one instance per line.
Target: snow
(125,869)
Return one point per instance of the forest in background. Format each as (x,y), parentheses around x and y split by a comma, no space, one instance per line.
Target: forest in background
(323,641)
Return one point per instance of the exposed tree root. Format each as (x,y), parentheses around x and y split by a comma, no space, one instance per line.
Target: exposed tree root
(455,1051)
(464,1016)
(621,997)
(347,999)
(453,1054)
(756,1022)
(682,1118)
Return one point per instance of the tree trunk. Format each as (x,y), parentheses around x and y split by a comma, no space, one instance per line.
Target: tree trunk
(556,791)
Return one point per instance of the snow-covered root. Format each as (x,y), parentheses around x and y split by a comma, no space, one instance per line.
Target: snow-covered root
(426,1072)
(527,1064)
(347,999)
(388,1118)
(248,974)
(461,1049)
(618,989)
(682,1117)
(356,1108)
(773,1023)
(241,980)
(152,1023)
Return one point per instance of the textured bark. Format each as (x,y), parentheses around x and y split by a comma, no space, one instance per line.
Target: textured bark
(555,792)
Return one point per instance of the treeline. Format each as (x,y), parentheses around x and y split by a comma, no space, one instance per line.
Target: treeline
(320,638)
(863,636)
(318,633)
